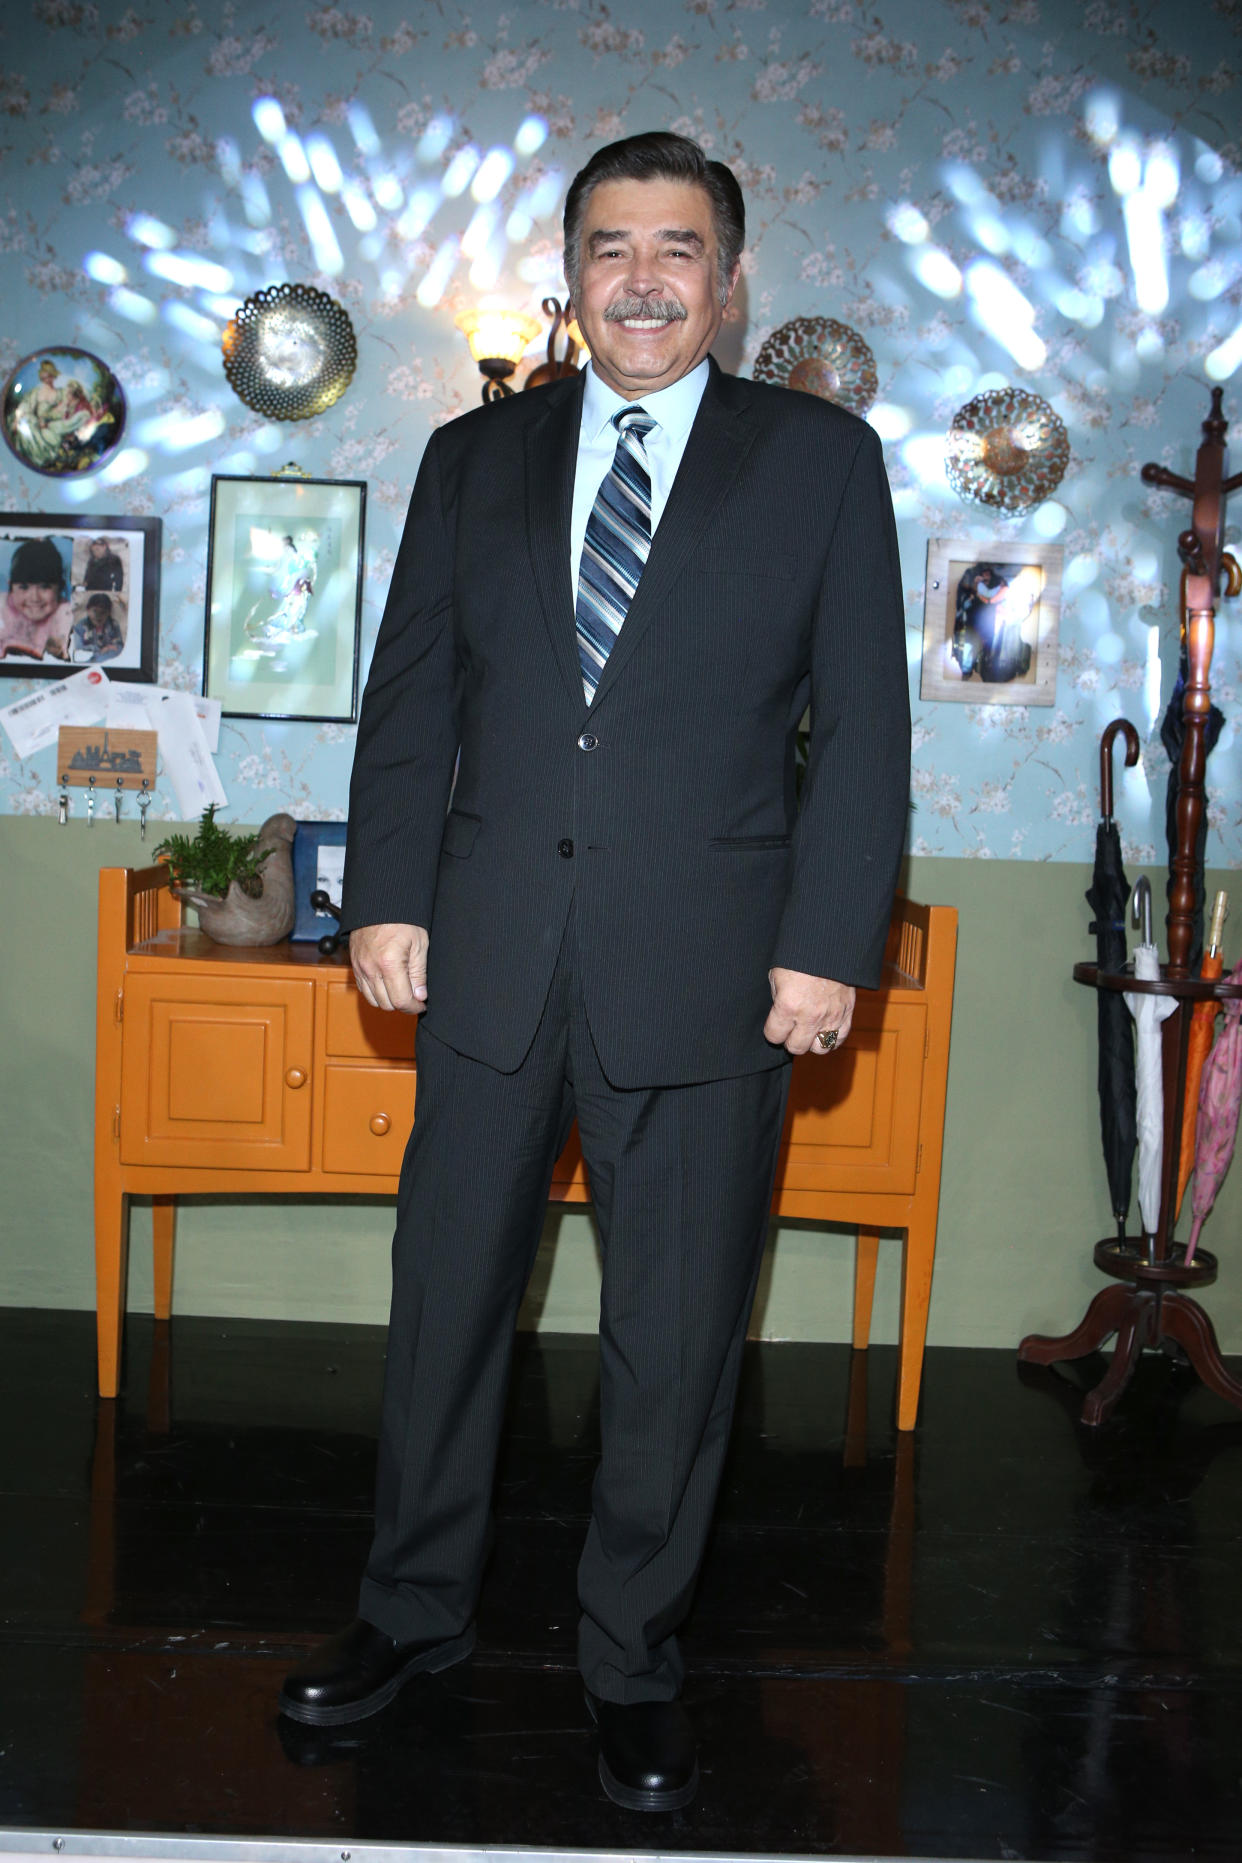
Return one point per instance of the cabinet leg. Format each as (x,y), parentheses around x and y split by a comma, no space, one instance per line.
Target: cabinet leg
(163,1236)
(918,1259)
(1105,1314)
(1185,1321)
(866,1251)
(111,1265)
(1135,1331)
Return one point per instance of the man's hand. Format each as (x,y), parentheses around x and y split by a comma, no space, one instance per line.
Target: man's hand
(803,1005)
(390,965)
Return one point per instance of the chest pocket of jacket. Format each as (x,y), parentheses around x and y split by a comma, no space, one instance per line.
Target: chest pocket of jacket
(460,832)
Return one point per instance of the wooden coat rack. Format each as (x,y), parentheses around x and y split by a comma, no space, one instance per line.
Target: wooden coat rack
(1145,1304)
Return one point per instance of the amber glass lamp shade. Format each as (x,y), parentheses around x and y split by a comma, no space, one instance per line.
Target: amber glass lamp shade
(498,340)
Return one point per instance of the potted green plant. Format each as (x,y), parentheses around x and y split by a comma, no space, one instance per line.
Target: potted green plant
(241,885)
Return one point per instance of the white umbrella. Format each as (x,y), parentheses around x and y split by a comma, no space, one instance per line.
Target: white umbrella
(1148,1012)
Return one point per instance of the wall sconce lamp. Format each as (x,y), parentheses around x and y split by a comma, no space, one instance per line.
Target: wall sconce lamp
(498,340)
(552,370)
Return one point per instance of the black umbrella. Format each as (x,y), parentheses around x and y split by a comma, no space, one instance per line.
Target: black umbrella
(1172,733)
(1109,897)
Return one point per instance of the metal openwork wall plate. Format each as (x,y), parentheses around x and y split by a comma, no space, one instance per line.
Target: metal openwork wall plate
(822,357)
(1007,449)
(289,352)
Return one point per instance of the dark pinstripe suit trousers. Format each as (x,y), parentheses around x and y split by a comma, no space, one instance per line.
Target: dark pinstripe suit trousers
(681,1179)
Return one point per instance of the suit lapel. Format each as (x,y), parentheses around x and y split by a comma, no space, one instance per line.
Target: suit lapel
(719,441)
(551,458)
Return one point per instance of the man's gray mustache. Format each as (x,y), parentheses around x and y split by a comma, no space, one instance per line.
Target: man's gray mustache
(656,310)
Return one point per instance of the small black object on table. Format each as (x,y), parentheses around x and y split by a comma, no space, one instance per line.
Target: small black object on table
(331,942)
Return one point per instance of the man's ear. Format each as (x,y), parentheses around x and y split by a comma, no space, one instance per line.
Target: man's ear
(734,275)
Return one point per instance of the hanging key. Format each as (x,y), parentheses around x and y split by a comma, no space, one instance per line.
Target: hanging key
(90,803)
(64,800)
(116,801)
(144,803)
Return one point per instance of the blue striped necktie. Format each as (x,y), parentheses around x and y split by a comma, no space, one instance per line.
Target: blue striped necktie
(616,545)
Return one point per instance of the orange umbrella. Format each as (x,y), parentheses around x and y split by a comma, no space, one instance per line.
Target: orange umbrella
(1199,1042)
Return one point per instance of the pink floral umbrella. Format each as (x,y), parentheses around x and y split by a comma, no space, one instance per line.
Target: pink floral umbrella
(1220,1094)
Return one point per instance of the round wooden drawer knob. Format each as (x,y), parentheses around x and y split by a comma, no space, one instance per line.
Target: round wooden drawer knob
(296,1077)
(380,1123)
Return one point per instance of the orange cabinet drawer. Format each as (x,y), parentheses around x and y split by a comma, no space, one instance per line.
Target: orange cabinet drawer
(367,1116)
(853,1121)
(353,1028)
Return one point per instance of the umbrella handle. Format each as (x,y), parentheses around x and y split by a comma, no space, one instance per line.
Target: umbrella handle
(1140,906)
(1126,729)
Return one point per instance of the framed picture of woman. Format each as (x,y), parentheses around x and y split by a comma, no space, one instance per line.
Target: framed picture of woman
(991,617)
(284,597)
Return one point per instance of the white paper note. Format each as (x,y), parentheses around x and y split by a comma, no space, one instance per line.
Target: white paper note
(187,762)
(123,698)
(127,708)
(80,699)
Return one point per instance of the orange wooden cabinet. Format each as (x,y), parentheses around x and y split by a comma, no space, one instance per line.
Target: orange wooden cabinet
(222,1070)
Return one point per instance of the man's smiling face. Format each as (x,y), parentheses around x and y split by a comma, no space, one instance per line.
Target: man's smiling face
(648,300)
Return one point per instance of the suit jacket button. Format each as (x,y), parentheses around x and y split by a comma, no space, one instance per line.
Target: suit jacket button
(587,742)
(565,849)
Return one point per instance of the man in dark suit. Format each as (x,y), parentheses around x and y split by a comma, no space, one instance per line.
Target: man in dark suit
(613,602)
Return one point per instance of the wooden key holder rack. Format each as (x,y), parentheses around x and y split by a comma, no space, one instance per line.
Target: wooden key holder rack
(106,762)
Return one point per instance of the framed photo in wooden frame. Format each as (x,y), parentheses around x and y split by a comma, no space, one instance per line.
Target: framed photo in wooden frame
(284,597)
(79,590)
(991,620)
(318,866)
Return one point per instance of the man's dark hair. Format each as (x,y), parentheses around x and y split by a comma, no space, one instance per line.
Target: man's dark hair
(659,155)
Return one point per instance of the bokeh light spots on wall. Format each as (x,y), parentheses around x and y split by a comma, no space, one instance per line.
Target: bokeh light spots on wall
(1226,358)
(324,165)
(104,269)
(359,206)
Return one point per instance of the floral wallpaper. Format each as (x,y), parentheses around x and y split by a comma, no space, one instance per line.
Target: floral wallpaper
(1035,193)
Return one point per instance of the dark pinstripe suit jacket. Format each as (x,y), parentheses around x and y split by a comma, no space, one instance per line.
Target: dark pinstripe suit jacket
(773,579)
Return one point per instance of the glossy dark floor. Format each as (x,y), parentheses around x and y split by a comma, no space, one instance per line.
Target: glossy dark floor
(1003,1637)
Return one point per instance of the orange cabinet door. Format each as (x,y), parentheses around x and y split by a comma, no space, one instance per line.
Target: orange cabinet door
(853,1121)
(215,1072)
(367,1116)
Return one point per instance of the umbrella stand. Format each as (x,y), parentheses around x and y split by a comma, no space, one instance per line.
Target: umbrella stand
(1148,1301)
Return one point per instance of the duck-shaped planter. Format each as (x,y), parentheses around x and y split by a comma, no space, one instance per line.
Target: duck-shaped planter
(265,918)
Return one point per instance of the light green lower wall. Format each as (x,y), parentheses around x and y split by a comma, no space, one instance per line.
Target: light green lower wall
(1023,1198)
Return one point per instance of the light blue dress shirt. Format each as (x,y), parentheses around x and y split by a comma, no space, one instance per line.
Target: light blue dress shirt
(674,408)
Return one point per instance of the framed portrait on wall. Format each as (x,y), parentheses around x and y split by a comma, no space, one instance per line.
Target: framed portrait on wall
(77,591)
(991,619)
(284,597)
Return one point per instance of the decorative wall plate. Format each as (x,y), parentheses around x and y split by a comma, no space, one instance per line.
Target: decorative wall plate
(822,357)
(1007,449)
(63,411)
(289,352)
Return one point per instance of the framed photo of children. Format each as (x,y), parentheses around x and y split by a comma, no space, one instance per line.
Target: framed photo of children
(991,616)
(284,597)
(77,591)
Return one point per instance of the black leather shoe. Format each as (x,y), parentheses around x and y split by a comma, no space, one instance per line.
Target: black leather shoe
(647,1755)
(358,1671)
